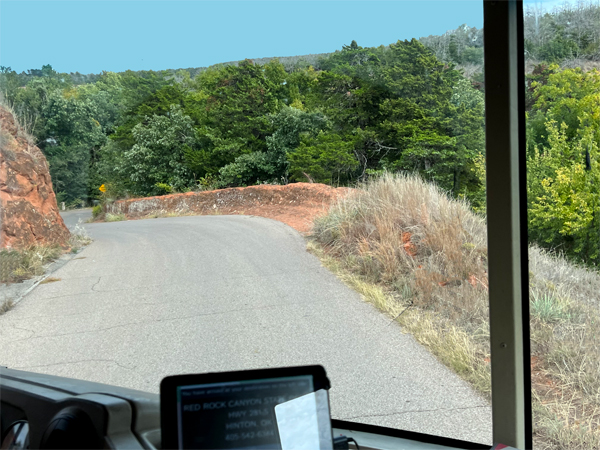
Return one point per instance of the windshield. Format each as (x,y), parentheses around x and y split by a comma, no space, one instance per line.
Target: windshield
(193,187)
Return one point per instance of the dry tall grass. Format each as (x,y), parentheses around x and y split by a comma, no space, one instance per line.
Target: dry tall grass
(422,257)
(20,265)
(25,125)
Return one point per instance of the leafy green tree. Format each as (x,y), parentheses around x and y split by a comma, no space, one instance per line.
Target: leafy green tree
(472,55)
(156,103)
(564,193)
(453,50)
(290,125)
(326,158)
(72,135)
(422,122)
(564,97)
(158,156)
(302,90)
(9,84)
(110,169)
(29,103)
(272,165)
(466,112)
(249,169)
(237,103)
(560,47)
(353,61)
(563,185)
(107,96)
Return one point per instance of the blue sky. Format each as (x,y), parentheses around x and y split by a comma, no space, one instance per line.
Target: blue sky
(91,36)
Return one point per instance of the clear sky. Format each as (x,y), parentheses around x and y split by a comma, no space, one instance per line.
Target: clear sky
(91,36)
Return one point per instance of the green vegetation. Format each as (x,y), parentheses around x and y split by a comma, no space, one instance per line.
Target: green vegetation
(114,217)
(372,109)
(96,211)
(410,107)
(421,256)
(6,305)
(564,162)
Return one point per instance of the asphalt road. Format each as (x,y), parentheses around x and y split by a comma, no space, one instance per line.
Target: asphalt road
(76,216)
(150,298)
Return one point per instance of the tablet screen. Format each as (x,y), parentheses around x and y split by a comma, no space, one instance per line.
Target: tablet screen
(264,413)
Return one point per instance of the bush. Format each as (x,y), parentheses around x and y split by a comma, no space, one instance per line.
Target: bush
(96,211)
(163,189)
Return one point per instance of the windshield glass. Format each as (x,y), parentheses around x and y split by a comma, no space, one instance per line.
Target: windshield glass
(216,186)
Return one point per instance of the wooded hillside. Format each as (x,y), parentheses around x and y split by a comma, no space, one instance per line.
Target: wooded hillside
(411,106)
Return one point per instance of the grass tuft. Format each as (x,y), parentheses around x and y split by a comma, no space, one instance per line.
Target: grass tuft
(25,125)
(6,306)
(20,265)
(16,266)
(549,308)
(114,217)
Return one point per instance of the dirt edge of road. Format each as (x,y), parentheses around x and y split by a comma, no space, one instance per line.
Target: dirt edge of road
(296,205)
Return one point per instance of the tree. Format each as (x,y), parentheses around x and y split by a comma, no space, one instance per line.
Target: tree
(563,96)
(158,102)
(326,158)
(237,101)
(563,163)
(564,193)
(272,165)
(431,134)
(353,61)
(72,136)
(158,156)
(9,84)
(467,131)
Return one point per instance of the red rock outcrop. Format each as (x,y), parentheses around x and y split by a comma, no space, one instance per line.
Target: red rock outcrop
(28,210)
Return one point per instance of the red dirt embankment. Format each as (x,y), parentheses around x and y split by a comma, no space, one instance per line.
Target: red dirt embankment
(295,204)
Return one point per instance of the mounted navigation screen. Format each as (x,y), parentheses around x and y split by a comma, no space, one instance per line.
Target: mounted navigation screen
(265,409)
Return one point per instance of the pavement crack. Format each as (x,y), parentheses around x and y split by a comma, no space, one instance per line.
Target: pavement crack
(23,329)
(414,411)
(96,284)
(166,319)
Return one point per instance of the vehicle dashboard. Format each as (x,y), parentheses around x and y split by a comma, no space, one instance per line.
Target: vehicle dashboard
(51,412)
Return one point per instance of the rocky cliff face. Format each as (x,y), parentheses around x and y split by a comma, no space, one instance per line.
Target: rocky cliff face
(28,210)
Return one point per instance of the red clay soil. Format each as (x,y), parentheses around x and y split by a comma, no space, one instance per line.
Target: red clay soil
(296,205)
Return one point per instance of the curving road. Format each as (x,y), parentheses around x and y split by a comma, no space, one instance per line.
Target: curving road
(150,298)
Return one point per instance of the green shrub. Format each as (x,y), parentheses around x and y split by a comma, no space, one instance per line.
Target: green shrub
(163,188)
(96,211)
(115,217)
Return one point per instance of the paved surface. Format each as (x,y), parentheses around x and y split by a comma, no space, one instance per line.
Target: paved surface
(75,216)
(149,298)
